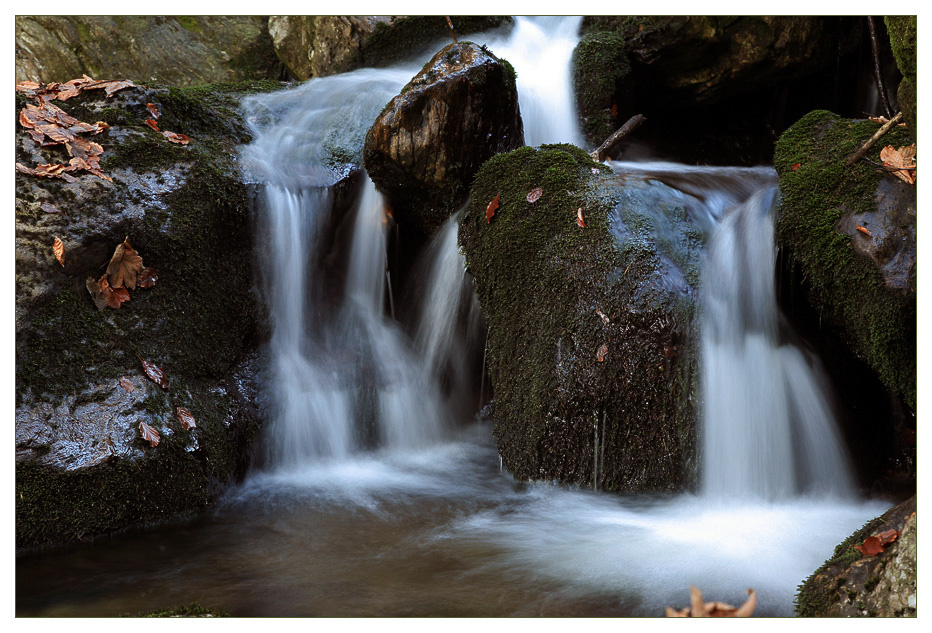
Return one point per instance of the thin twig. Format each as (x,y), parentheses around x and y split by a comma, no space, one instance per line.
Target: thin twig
(875,48)
(630,125)
(876,137)
(450,24)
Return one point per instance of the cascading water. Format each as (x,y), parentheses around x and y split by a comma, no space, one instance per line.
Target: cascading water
(434,528)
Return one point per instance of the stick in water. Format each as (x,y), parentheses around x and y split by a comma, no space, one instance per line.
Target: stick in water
(632,124)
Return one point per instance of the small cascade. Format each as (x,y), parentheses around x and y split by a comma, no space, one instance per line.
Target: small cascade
(768,426)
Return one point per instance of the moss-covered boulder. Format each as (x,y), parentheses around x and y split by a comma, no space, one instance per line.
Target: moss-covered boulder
(590,327)
(902,30)
(862,284)
(851,583)
(600,66)
(181,51)
(424,149)
(81,391)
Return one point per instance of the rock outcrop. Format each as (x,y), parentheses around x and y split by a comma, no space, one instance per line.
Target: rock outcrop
(82,466)
(181,51)
(424,149)
(851,583)
(590,327)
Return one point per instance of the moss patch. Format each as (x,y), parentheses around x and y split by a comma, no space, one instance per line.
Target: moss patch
(600,65)
(848,291)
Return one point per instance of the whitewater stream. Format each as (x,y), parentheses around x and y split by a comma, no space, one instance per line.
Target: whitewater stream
(380,495)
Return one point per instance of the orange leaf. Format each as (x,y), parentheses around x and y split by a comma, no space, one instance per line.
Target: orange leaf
(579,218)
(796,166)
(127,384)
(149,434)
(153,109)
(864,230)
(903,160)
(146,278)
(874,545)
(491,207)
(534,194)
(603,351)
(154,373)
(181,139)
(58,247)
(151,123)
(124,266)
(184,416)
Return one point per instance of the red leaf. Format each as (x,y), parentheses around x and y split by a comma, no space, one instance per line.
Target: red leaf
(181,139)
(864,231)
(534,194)
(796,166)
(579,218)
(127,384)
(491,207)
(151,123)
(874,545)
(184,416)
(154,373)
(603,351)
(149,434)
(153,109)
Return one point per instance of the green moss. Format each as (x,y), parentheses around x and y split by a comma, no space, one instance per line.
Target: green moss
(848,291)
(540,279)
(189,22)
(902,30)
(600,66)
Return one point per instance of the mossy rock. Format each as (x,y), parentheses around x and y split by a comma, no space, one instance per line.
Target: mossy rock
(902,30)
(188,215)
(554,294)
(847,290)
(600,66)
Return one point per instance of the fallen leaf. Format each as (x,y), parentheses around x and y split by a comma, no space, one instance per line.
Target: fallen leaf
(124,266)
(149,434)
(601,353)
(99,299)
(151,123)
(796,166)
(903,160)
(127,384)
(534,194)
(181,139)
(863,230)
(882,120)
(154,373)
(58,247)
(579,218)
(146,278)
(491,207)
(153,109)
(875,544)
(184,416)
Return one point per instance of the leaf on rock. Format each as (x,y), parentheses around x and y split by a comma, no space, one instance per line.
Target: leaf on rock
(534,195)
(174,137)
(151,123)
(796,166)
(864,230)
(146,278)
(602,352)
(579,218)
(153,109)
(874,545)
(184,416)
(125,266)
(154,373)
(149,434)
(602,316)
(127,384)
(58,247)
(903,160)
(491,207)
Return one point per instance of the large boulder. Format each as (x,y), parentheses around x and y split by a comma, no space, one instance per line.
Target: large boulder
(862,283)
(181,51)
(853,583)
(424,149)
(902,30)
(591,328)
(82,391)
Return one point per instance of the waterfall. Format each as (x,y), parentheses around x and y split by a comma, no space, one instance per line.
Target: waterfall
(767,423)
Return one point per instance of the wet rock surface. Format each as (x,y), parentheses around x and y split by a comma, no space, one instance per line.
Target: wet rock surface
(590,328)
(321,45)
(424,149)
(853,584)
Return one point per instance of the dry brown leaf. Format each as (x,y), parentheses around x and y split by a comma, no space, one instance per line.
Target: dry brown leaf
(174,137)
(534,195)
(876,544)
(151,123)
(903,160)
(602,352)
(491,207)
(154,109)
(114,297)
(146,278)
(602,316)
(127,384)
(579,218)
(58,247)
(149,434)
(154,373)
(184,416)
(124,266)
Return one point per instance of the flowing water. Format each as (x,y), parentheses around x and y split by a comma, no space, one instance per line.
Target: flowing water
(376,500)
